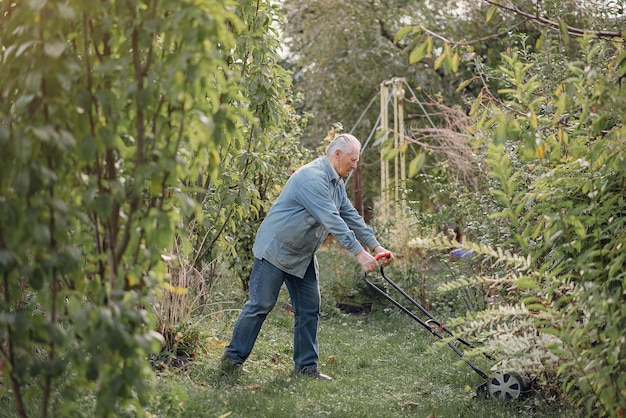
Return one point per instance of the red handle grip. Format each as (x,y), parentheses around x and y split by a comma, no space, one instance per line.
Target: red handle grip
(381,255)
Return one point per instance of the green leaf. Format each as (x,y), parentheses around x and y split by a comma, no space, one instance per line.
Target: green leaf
(41,233)
(102,205)
(418,53)
(7,319)
(440,60)
(23,101)
(92,369)
(36,5)
(45,133)
(549,330)
(621,64)
(579,228)
(525,282)
(5,134)
(501,133)
(492,11)
(37,278)
(66,11)
(23,47)
(617,265)
(405,31)
(6,259)
(416,164)
(390,153)
(564,32)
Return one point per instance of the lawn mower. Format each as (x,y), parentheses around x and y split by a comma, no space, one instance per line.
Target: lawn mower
(504,386)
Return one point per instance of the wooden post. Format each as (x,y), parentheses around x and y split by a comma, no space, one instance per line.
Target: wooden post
(396,145)
(384,164)
(402,142)
(401,216)
(358,191)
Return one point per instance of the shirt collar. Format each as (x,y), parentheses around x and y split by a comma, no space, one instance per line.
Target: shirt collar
(330,170)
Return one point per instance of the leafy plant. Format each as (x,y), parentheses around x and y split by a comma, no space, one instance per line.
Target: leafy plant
(107,111)
(559,170)
(216,243)
(550,121)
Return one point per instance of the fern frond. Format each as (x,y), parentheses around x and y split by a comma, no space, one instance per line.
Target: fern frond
(461,283)
(499,319)
(499,255)
(509,333)
(509,281)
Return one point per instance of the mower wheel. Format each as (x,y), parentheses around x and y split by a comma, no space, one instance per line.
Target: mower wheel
(507,386)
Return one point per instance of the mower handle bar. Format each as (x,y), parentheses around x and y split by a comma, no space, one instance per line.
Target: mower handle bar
(420,307)
(433,331)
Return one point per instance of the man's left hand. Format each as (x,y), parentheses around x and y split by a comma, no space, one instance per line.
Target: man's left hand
(385,257)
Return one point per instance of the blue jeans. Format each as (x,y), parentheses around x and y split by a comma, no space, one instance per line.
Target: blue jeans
(265,283)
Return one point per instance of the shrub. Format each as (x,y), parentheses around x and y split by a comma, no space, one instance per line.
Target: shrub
(557,157)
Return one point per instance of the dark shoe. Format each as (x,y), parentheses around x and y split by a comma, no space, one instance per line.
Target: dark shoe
(316,374)
(230,368)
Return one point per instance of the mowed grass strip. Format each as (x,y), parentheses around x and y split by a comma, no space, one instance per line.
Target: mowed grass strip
(383,365)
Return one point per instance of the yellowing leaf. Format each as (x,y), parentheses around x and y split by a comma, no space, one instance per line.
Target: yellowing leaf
(177,290)
(465,84)
(132,279)
(455,62)
(491,13)
(526,283)
(405,31)
(179,77)
(540,151)
(539,42)
(439,61)
(533,120)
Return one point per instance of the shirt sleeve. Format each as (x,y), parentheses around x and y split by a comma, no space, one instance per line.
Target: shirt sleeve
(316,196)
(357,224)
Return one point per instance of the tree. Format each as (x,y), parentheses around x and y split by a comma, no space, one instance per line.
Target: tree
(109,110)
(340,54)
(552,123)
(235,202)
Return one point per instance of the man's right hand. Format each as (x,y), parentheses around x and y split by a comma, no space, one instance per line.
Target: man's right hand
(367,261)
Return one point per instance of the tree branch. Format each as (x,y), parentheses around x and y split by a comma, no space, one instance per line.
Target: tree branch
(473,41)
(555,25)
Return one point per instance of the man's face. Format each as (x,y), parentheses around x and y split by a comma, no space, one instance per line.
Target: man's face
(345,162)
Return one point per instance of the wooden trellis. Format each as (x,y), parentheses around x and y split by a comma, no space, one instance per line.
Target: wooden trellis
(393,179)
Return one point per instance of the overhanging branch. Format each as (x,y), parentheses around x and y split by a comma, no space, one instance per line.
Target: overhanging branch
(555,25)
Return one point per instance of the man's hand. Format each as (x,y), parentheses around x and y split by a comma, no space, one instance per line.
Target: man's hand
(368,262)
(385,256)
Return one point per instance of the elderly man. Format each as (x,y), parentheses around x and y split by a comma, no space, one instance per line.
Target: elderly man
(312,205)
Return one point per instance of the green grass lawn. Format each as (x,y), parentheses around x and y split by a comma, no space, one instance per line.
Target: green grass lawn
(383,365)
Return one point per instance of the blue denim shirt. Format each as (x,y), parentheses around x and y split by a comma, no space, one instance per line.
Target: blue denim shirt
(313,204)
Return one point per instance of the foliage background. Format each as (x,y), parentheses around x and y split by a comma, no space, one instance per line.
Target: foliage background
(123,124)
(143,142)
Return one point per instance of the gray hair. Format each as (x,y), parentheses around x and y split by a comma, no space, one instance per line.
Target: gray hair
(344,143)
